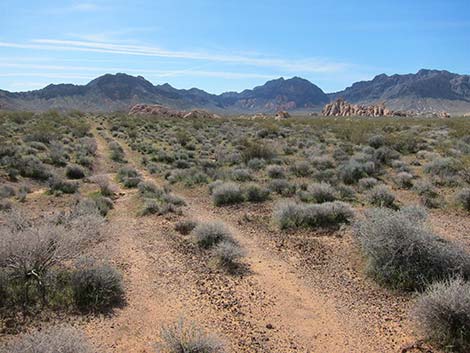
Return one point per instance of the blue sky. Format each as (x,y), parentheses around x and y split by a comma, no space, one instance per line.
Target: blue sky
(229,45)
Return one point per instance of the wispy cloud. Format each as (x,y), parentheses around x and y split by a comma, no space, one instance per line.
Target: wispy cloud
(86,72)
(307,65)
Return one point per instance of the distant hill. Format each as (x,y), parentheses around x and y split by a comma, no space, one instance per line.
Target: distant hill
(427,90)
(121,91)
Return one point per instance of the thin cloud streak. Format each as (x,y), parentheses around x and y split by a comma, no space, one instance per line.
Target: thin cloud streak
(101,70)
(310,65)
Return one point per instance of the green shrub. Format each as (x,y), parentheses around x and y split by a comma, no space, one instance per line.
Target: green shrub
(256,193)
(74,172)
(58,185)
(227,194)
(329,215)
(97,288)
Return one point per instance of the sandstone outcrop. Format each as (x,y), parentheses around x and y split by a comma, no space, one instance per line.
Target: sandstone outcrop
(342,108)
(282,115)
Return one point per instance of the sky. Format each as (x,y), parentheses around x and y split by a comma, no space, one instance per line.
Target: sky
(225,45)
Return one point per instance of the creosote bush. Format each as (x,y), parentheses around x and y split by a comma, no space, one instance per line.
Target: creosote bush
(227,194)
(61,339)
(228,253)
(463,198)
(443,314)
(256,193)
(129,176)
(184,337)
(97,288)
(330,215)
(74,172)
(210,234)
(381,196)
(402,253)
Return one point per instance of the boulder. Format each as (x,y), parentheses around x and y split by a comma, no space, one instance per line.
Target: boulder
(282,115)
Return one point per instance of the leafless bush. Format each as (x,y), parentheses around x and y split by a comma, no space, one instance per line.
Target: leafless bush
(211,233)
(184,337)
(402,253)
(228,253)
(60,339)
(443,314)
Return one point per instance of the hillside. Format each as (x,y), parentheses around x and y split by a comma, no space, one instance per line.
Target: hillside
(427,90)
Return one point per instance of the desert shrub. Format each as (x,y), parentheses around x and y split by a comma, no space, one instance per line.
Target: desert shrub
(106,188)
(290,215)
(184,337)
(32,167)
(402,253)
(61,339)
(7,191)
(173,199)
(443,314)
(400,166)
(376,141)
(74,172)
(301,169)
(257,150)
(58,185)
(227,194)
(367,183)
(282,187)
(381,196)
(228,254)
(444,170)
(185,227)
(117,153)
(319,193)
(211,233)
(150,189)
(256,193)
(129,176)
(404,180)
(385,155)
(5,205)
(463,198)
(345,192)
(212,186)
(96,288)
(241,175)
(323,162)
(428,193)
(256,163)
(275,172)
(103,204)
(30,250)
(151,206)
(352,171)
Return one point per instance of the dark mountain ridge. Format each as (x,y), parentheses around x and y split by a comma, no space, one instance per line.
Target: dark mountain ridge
(427,90)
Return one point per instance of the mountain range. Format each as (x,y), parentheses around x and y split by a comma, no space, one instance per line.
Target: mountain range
(427,90)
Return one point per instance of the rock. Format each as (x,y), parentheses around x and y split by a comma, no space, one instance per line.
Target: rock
(282,115)
(342,108)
